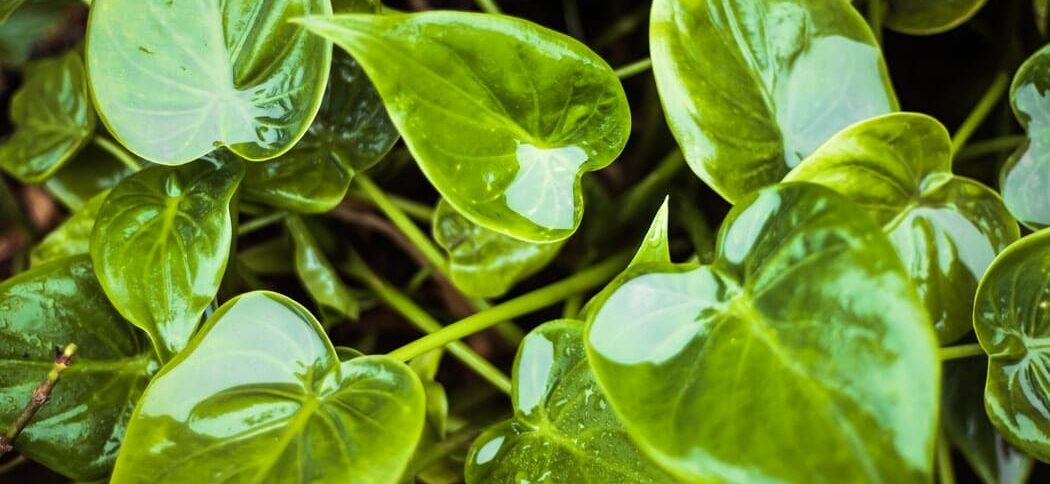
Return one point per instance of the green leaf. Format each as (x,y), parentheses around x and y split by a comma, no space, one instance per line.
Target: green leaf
(967,427)
(483,262)
(271,258)
(28,26)
(160,245)
(751,88)
(174,80)
(260,396)
(947,229)
(8,7)
(1026,175)
(73,237)
(53,119)
(806,307)
(563,429)
(924,17)
(90,172)
(1012,320)
(78,432)
(317,274)
(350,134)
(502,115)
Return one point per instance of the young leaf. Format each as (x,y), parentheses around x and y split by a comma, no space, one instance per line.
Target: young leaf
(483,262)
(806,307)
(89,173)
(78,432)
(563,430)
(53,119)
(752,87)
(502,115)
(73,237)
(924,17)
(1026,175)
(1012,320)
(317,274)
(967,427)
(946,228)
(260,396)
(161,242)
(350,134)
(173,80)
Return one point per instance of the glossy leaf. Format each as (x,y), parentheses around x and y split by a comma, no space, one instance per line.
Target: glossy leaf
(751,87)
(350,134)
(78,432)
(967,427)
(73,237)
(946,228)
(1026,176)
(173,80)
(563,429)
(524,111)
(806,307)
(929,16)
(317,274)
(1012,321)
(483,262)
(160,245)
(260,396)
(53,119)
(89,173)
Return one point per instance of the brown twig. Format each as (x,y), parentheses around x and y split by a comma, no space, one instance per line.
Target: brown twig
(40,396)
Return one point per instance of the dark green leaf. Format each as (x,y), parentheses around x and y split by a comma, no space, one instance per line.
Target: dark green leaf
(806,308)
(78,432)
(1025,177)
(523,111)
(73,237)
(1012,320)
(946,228)
(175,79)
(28,26)
(53,119)
(161,242)
(751,88)
(317,274)
(563,429)
(8,7)
(483,262)
(924,17)
(260,396)
(90,172)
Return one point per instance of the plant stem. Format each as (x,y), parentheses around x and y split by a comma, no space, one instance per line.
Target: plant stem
(40,396)
(945,472)
(989,147)
(513,308)
(488,6)
(961,351)
(973,121)
(634,68)
(876,11)
(258,223)
(402,222)
(12,464)
(119,153)
(420,212)
(401,303)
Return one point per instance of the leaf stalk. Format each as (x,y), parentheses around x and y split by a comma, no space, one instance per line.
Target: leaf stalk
(41,394)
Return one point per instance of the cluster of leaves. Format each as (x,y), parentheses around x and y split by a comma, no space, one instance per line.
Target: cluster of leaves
(813,337)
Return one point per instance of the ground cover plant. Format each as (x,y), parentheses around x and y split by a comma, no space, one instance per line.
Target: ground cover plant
(509,241)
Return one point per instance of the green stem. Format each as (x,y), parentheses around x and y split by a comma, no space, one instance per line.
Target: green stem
(513,308)
(119,153)
(945,472)
(961,351)
(989,147)
(401,221)
(39,397)
(572,306)
(259,223)
(876,11)
(401,303)
(634,68)
(987,102)
(420,212)
(488,6)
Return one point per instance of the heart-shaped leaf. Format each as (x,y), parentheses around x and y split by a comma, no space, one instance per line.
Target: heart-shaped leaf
(946,228)
(524,111)
(483,262)
(161,242)
(350,134)
(317,274)
(260,396)
(751,87)
(563,429)
(1012,320)
(53,119)
(1025,177)
(806,307)
(925,17)
(73,237)
(78,432)
(89,173)
(173,80)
